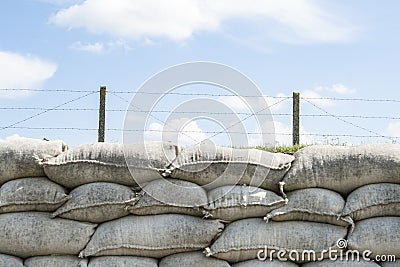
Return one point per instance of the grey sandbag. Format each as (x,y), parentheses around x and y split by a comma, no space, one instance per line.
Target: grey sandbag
(122,261)
(231,203)
(242,240)
(22,157)
(28,234)
(380,235)
(153,236)
(314,205)
(97,202)
(266,263)
(344,168)
(56,261)
(190,259)
(106,162)
(218,166)
(374,200)
(342,263)
(10,261)
(165,196)
(31,194)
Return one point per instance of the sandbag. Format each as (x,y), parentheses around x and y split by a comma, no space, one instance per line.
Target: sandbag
(230,203)
(342,263)
(164,196)
(374,200)
(380,235)
(106,162)
(267,263)
(314,205)
(191,259)
(344,168)
(22,157)
(10,261)
(122,261)
(31,194)
(28,234)
(218,166)
(97,202)
(56,261)
(242,240)
(153,236)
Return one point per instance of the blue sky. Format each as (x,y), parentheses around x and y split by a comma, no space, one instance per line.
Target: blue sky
(324,48)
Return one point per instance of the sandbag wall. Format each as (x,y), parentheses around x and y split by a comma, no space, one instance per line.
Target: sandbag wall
(196,207)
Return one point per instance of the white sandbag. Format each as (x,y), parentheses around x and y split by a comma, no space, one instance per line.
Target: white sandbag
(344,168)
(267,263)
(153,236)
(218,166)
(31,194)
(244,239)
(97,202)
(342,263)
(56,261)
(10,261)
(374,200)
(314,205)
(380,235)
(165,196)
(122,261)
(22,157)
(28,234)
(106,162)
(231,203)
(191,259)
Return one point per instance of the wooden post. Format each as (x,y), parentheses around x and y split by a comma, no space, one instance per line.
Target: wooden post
(102,114)
(296,118)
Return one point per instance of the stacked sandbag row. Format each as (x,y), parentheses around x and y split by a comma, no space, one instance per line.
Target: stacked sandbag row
(205,206)
(367,177)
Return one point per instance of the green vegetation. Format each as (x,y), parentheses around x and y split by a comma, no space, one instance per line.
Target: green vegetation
(282,149)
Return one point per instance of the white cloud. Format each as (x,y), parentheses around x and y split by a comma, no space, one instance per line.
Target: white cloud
(393,129)
(18,71)
(99,47)
(94,48)
(316,99)
(336,88)
(293,21)
(11,137)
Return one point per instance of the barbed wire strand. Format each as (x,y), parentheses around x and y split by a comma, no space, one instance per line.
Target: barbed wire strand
(200,94)
(45,111)
(345,121)
(200,112)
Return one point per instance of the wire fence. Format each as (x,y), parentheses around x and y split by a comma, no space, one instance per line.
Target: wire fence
(361,126)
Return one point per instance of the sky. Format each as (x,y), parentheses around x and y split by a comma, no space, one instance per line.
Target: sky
(328,50)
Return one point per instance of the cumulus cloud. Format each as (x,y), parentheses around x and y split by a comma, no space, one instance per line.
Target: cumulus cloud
(100,47)
(292,21)
(94,48)
(393,129)
(316,98)
(337,89)
(20,71)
